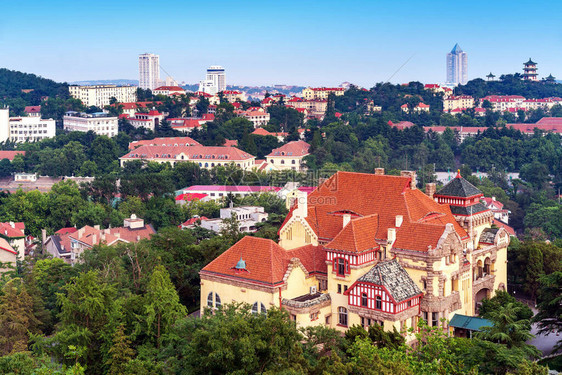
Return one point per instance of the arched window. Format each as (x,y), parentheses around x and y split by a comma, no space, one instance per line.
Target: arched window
(364,300)
(342,316)
(378,302)
(255,308)
(263,309)
(210,300)
(282,161)
(217,301)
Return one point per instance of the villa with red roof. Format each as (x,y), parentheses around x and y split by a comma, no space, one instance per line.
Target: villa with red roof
(205,156)
(279,135)
(169,90)
(166,141)
(70,244)
(289,156)
(14,234)
(149,120)
(10,155)
(421,107)
(369,249)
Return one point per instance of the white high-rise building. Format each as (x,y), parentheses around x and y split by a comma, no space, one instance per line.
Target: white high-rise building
(457,66)
(215,81)
(149,71)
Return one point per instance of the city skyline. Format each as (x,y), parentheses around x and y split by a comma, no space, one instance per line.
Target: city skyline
(261,44)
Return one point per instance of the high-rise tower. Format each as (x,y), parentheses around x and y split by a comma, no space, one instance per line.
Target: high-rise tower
(149,71)
(457,66)
(215,80)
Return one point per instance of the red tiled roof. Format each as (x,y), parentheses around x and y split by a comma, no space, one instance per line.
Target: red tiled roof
(401,125)
(135,105)
(165,141)
(294,148)
(218,153)
(32,109)
(490,201)
(7,230)
(266,261)
(169,88)
(193,220)
(509,229)
(10,154)
(357,236)
(188,197)
(388,196)
(66,230)
(230,142)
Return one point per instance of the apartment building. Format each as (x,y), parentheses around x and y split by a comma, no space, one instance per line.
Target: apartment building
(100,123)
(100,95)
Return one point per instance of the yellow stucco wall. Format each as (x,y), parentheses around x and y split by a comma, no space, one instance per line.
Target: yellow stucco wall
(296,233)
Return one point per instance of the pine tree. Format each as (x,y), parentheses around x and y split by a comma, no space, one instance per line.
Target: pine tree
(120,353)
(162,304)
(16,317)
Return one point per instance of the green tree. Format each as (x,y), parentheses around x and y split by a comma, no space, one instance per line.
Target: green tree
(549,315)
(120,353)
(16,317)
(162,305)
(232,340)
(508,330)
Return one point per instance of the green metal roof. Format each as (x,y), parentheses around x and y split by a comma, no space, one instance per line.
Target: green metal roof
(471,323)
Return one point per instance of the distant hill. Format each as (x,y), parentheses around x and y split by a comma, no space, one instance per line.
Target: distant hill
(124,82)
(18,90)
(30,87)
(257,91)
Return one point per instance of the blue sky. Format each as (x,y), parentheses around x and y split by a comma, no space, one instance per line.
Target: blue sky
(279,42)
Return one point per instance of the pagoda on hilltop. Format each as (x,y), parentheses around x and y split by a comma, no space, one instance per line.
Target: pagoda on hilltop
(530,71)
(490,77)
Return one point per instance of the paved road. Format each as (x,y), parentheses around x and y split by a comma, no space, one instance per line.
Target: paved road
(543,342)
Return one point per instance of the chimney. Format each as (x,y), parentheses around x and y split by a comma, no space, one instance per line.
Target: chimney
(80,232)
(43,236)
(391,237)
(302,204)
(412,175)
(399,219)
(138,238)
(494,199)
(94,239)
(12,224)
(430,189)
(379,171)
(346,219)
(97,227)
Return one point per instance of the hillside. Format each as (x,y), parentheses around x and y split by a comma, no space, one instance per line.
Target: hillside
(19,89)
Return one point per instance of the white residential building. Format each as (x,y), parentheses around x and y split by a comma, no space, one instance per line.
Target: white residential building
(31,129)
(100,95)
(24,129)
(100,123)
(149,71)
(247,217)
(215,81)
(148,120)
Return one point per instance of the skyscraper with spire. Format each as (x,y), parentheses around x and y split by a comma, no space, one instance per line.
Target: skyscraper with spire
(457,66)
